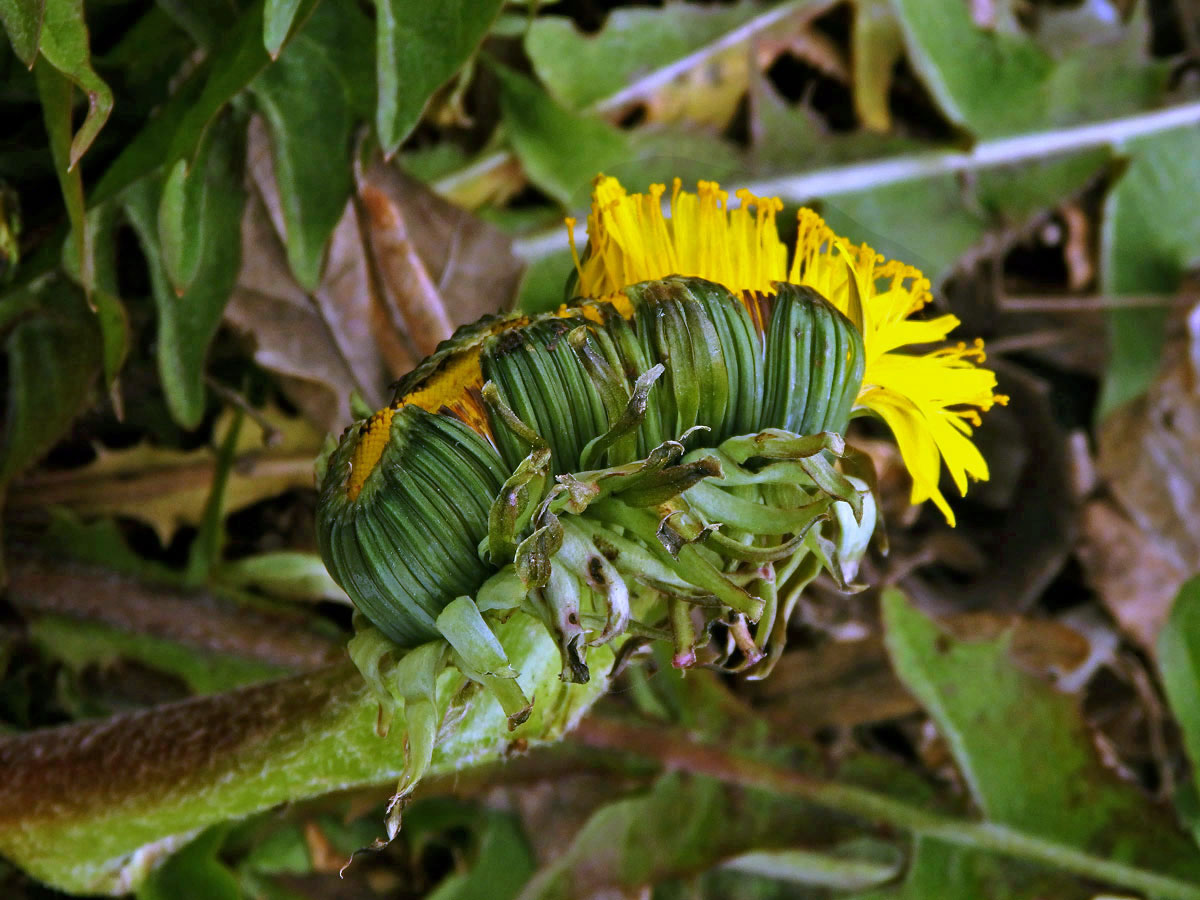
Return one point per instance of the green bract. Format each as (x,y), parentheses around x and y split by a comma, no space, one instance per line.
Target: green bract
(569,378)
(669,470)
(406,546)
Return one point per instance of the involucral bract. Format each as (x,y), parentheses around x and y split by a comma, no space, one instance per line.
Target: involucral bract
(662,460)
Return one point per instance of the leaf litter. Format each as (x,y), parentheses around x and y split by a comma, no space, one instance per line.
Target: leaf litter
(1036,624)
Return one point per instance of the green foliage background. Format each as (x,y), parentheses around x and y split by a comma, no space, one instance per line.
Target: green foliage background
(123,187)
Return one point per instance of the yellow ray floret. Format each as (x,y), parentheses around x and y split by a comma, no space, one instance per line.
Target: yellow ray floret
(629,239)
(452,388)
(930,400)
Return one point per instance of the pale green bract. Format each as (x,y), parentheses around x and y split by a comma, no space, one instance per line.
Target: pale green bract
(607,474)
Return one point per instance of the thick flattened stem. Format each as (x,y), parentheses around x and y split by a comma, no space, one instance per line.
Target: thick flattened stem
(88,808)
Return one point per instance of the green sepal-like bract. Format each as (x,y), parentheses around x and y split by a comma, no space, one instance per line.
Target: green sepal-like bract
(481,658)
(676,474)
(407,544)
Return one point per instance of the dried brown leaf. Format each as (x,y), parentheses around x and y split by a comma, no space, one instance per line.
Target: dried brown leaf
(1135,576)
(849,683)
(168,488)
(430,242)
(414,305)
(330,339)
(1077,247)
(403,268)
(1149,458)
(288,333)
(837,683)
(1039,646)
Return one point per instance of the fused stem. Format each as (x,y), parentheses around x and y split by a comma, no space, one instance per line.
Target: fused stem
(90,807)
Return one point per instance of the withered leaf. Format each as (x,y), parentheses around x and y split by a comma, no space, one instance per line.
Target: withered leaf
(438,265)
(325,343)
(1149,457)
(289,334)
(168,488)
(838,683)
(403,269)
(1136,577)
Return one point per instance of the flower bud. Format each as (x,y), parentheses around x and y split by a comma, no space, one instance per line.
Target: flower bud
(404,503)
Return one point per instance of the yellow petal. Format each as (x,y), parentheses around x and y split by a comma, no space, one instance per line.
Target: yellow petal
(929,400)
(918,448)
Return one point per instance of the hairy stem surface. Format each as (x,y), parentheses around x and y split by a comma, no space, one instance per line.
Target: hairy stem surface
(91,807)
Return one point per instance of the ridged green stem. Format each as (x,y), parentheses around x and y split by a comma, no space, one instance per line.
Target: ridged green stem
(89,808)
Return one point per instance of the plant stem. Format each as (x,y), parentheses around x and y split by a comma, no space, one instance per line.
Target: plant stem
(91,807)
(986,154)
(50,587)
(803,187)
(676,751)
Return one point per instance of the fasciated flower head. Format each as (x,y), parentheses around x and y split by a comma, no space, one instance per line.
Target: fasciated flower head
(930,400)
